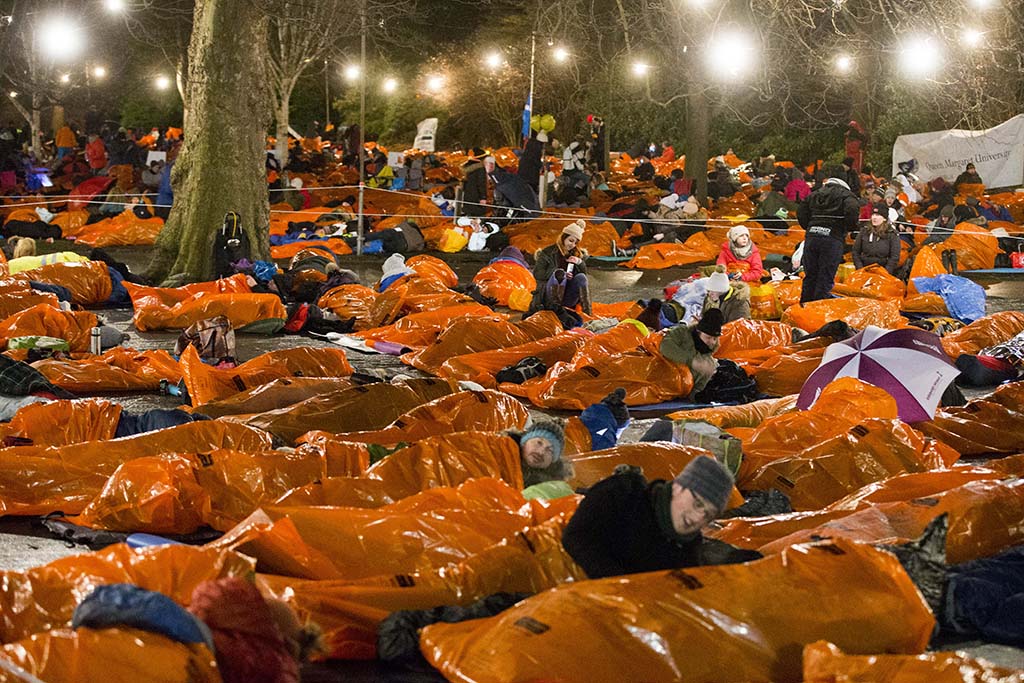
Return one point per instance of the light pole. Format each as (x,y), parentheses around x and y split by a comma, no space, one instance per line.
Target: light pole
(362,125)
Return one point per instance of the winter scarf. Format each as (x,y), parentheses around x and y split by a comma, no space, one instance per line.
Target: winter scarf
(661,499)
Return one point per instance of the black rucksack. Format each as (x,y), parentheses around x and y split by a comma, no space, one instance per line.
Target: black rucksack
(230,246)
(729,384)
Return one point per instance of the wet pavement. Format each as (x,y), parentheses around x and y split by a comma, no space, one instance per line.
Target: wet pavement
(25,543)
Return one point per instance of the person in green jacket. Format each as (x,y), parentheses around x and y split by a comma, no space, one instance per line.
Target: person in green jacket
(694,346)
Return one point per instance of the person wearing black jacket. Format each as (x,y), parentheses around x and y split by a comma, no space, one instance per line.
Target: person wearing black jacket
(474,185)
(625,525)
(828,214)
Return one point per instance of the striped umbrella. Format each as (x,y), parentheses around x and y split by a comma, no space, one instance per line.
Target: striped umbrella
(908,363)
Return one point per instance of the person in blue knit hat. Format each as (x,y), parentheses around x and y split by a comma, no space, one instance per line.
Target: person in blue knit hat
(541,445)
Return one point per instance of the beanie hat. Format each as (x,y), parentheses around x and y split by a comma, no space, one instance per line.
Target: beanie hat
(542,136)
(395,265)
(575,229)
(690,206)
(947,211)
(549,430)
(711,322)
(709,479)
(890,193)
(296,183)
(719,281)
(737,230)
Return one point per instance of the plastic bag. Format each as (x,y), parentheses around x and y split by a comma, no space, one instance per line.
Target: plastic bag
(453,241)
(763,303)
(43,320)
(735,622)
(119,369)
(873,282)
(58,423)
(433,267)
(502,278)
(826,663)
(857,312)
(964,299)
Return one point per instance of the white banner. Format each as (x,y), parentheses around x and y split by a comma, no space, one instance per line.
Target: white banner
(425,132)
(997,153)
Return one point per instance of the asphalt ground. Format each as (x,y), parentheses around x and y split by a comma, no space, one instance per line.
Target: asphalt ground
(24,543)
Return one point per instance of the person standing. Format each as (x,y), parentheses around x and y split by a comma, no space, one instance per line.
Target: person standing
(474,185)
(829,213)
(66,141)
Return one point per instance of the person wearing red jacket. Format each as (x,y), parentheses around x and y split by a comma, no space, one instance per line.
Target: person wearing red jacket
(96,154)
(737,250)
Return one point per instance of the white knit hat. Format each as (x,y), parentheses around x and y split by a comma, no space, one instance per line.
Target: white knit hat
(719,281)
(395,265)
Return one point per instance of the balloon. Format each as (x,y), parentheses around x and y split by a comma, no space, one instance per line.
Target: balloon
(547,123)
(535,123)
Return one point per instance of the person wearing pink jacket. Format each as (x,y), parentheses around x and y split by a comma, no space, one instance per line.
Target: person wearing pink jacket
(737,250)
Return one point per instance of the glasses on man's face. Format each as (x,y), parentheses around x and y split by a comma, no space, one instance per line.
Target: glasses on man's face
(702,506)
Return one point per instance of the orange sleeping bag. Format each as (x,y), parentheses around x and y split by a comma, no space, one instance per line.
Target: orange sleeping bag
(745,622)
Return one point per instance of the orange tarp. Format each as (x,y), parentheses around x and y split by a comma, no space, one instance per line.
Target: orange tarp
(206,383)
(350,301)
(743,622)
(36,480)
(122,230)
(75,327)
(825,471)
(988,331)
(697,249)
(986,517)
(112,654)
(88,281)
(481,367)
(825,663)
(58,423)
(501,278)
(45,597)
(474,334)
(856,312)
(117,369)
(359,408)
(985,426)
(278,393)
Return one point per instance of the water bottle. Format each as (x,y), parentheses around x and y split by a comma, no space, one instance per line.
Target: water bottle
(95,341)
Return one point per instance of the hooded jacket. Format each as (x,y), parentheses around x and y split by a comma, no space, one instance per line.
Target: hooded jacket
(474,187)
(735,305)
(830,211)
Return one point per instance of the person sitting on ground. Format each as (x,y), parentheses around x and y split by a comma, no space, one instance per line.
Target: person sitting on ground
(151,175)
(732,298)
(878,243)
(560,270)
(740,256)
(627,525)
(942,227)
(968,177)
(694,346)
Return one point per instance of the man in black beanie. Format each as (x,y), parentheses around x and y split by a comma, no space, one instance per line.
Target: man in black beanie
(693,346)
(626,525)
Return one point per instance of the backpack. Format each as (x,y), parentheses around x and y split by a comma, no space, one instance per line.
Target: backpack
(729,384)
(230,245)
(213,338)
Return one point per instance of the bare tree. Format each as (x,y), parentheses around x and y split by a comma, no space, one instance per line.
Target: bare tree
(302,34)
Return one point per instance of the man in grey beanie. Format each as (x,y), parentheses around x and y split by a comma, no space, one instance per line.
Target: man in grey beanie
(627,525)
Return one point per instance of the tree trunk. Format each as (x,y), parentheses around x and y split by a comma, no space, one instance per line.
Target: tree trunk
(58,118)
(221,167)
(698,133)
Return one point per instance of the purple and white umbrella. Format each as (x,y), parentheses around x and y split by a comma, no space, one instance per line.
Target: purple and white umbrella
(909,364)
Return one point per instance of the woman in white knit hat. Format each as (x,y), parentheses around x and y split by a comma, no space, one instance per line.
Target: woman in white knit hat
(740,256)
(561,273)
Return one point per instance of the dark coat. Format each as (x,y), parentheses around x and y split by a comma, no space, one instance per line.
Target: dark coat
(832,207)
(474,188)
(515,191)
(614,531)
(547,261)
(531,162)
(870,249)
